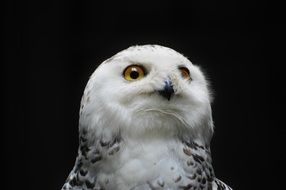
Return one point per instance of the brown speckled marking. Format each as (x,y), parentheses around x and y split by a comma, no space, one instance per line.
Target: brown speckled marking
(96,159)
(161,183)
(192,177)
(187,151)
(187,187)
(178,179)
(114,150)
(190,163)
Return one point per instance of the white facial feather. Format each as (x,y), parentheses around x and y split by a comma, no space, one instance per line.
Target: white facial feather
(135,109)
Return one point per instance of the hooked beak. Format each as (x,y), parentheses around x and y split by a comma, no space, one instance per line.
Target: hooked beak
(168,90)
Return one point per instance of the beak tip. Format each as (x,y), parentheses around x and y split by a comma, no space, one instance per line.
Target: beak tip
(168,90)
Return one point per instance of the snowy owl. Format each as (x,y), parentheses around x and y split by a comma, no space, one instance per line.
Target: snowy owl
(145,123)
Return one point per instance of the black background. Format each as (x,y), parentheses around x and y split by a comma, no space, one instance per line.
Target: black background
(52,47)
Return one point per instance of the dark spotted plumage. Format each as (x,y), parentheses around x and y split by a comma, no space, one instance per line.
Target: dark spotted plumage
(198,161)
(82,177)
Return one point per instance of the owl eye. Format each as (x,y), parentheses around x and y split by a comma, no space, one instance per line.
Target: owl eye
(185,72)
(134,72)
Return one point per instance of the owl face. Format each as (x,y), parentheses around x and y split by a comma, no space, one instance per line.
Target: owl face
(148,88)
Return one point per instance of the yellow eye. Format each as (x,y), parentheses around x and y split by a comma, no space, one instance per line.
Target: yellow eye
(134,72)
(185,72)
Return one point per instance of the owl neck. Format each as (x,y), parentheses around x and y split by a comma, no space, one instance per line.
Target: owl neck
(176,133)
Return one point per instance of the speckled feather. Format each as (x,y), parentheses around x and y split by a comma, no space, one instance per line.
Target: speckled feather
(131,137)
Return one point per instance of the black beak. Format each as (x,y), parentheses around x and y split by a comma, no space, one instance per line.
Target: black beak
(168,90)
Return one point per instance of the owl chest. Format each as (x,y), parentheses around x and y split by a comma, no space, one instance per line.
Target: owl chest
(138,156)
(139,162)
(152,162)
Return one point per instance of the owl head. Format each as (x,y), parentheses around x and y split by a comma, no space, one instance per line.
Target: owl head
(147,91)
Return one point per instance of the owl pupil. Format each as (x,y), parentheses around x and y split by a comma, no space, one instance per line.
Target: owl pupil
(134,74)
